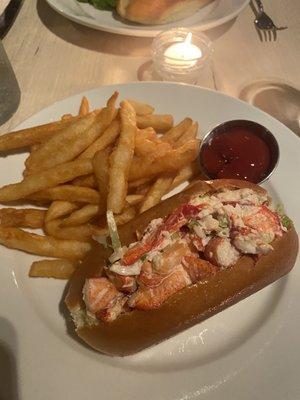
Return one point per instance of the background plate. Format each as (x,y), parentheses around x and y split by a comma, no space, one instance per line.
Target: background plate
(249,351)
(210,16)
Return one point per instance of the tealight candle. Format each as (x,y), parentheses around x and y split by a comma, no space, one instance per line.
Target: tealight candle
(181,55)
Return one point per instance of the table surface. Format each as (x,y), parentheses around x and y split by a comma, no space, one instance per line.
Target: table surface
(54,58)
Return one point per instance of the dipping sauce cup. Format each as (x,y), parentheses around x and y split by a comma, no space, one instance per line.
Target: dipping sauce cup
(239,149)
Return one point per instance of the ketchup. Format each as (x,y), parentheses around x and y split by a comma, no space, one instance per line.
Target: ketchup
(237,153)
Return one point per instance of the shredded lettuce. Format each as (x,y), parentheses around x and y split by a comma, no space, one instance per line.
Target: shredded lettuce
(113,231)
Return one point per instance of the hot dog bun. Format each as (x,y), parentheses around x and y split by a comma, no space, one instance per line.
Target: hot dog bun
(152,12)
(136,330)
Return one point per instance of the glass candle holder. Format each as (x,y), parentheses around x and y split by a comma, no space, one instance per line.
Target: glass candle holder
(182,55)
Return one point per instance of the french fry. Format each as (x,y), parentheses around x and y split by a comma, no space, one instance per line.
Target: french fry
(141,108)
(143,189)
(67,193)
(29,136)
(87,181)
(88,212)
(127,215)
(186,173)
(160,187)
(58,269)
(148,133)
(139,182)
(67,117)
(174,160)
(148,148)
(106,139)
(59,209)
(189,134)
(178,130)
(160,123)
(81,233)
(16,238)
(101,172)
(23,218)
(120,160)
(74,171)
(45,179)
(34,147)
(68,144)
(81,216)
(133,199)
(84,106)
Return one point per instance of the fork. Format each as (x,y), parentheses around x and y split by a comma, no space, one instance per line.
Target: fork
(265,25)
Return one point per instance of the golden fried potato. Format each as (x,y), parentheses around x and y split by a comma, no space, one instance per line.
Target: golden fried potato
(160,123)
(86,181)
(58,269)
(84,106)
(101,172)
(120,160)
(189,134)
(37,134)
(185,174)
(22,218)
(81,216)
(141,108)
(67,193)
(66,117)
(81,233)
(15,238)
(106,139)
(133,199)
(178,130)
(68,144)
(172,161)
(60,208)
(159,188)
(45,179)
(150,148)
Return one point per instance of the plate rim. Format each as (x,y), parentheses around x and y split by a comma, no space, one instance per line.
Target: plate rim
(147,83)
(131,31)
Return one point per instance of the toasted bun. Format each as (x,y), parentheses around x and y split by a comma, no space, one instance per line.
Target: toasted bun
(137,330)
(152,12)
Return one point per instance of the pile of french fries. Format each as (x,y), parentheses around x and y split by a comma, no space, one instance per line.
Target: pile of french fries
(123,159)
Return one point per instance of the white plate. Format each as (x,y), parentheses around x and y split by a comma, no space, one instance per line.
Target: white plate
(210,16)
(249,351)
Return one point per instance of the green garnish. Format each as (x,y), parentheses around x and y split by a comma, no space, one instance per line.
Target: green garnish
(193,223)
(143,258)
(101,4)
(279,209)
(223,221)
(285,220)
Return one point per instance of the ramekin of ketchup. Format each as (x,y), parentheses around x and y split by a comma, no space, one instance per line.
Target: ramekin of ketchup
(239,149)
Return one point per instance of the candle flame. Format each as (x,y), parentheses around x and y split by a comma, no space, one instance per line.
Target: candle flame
(188,39)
